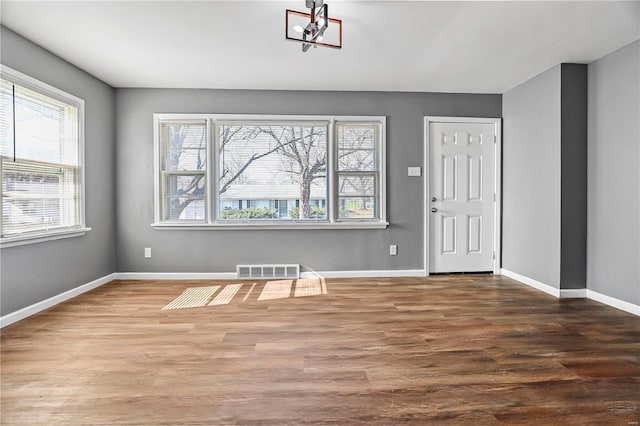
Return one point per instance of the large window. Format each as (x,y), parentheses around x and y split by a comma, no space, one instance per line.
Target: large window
(41,150)
(287,171)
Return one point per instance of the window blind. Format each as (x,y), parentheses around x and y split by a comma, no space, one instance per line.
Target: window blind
(39,144)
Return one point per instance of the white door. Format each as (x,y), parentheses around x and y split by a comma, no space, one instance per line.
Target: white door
(461,207)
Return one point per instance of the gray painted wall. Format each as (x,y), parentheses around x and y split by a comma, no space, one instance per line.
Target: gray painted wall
(613,255)
(545,177)
(531,178)
(35,272)
(573,176)
(320,250)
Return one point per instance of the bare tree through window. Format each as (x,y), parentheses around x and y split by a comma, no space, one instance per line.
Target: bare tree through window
(269,170)
(303,157)
(186,159)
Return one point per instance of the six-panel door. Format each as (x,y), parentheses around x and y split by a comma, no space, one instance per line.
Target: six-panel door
(461,196)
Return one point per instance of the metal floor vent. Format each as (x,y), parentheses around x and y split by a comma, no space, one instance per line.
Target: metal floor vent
(290,271)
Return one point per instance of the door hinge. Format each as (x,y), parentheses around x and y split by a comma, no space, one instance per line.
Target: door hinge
(494,197)
(494,255)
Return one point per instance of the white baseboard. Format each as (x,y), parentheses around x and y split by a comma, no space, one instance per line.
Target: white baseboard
(575,293)
(52,301)
(176,275)
(232,275)
(613,302)
(531,282)
(365,274)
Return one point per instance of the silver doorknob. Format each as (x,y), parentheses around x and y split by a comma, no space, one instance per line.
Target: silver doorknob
(433,199)
(433,210)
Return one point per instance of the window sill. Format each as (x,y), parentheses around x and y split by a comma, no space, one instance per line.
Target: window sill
(39,237)
(267,226)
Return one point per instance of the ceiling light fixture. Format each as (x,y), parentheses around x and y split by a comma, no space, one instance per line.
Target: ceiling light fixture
(314,28)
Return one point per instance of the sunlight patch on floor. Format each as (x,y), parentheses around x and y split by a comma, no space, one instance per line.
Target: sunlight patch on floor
(276,290)
(197,297)
(193,297)
(246,296)
(309,287)
(225,296)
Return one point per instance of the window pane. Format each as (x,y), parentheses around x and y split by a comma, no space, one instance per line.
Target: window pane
(356,185)
(264,163)
(356,147)
(185,197)
(357,208)
(185,208)
(185,145)
(37,197)
(46,129)
(39,129)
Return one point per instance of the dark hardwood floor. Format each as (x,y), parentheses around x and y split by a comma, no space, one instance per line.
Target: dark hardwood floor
(463,350)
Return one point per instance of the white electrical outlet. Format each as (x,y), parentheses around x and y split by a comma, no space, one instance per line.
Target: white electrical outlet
(414,171)
(147,252)
(393,250)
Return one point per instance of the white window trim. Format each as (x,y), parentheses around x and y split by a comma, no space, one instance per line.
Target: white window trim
(61,232)
(42,236)
(212,224)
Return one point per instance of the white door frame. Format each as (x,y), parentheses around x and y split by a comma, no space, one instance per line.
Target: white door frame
(497,215)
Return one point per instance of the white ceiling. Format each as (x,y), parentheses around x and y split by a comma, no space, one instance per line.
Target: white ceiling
(475,47)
